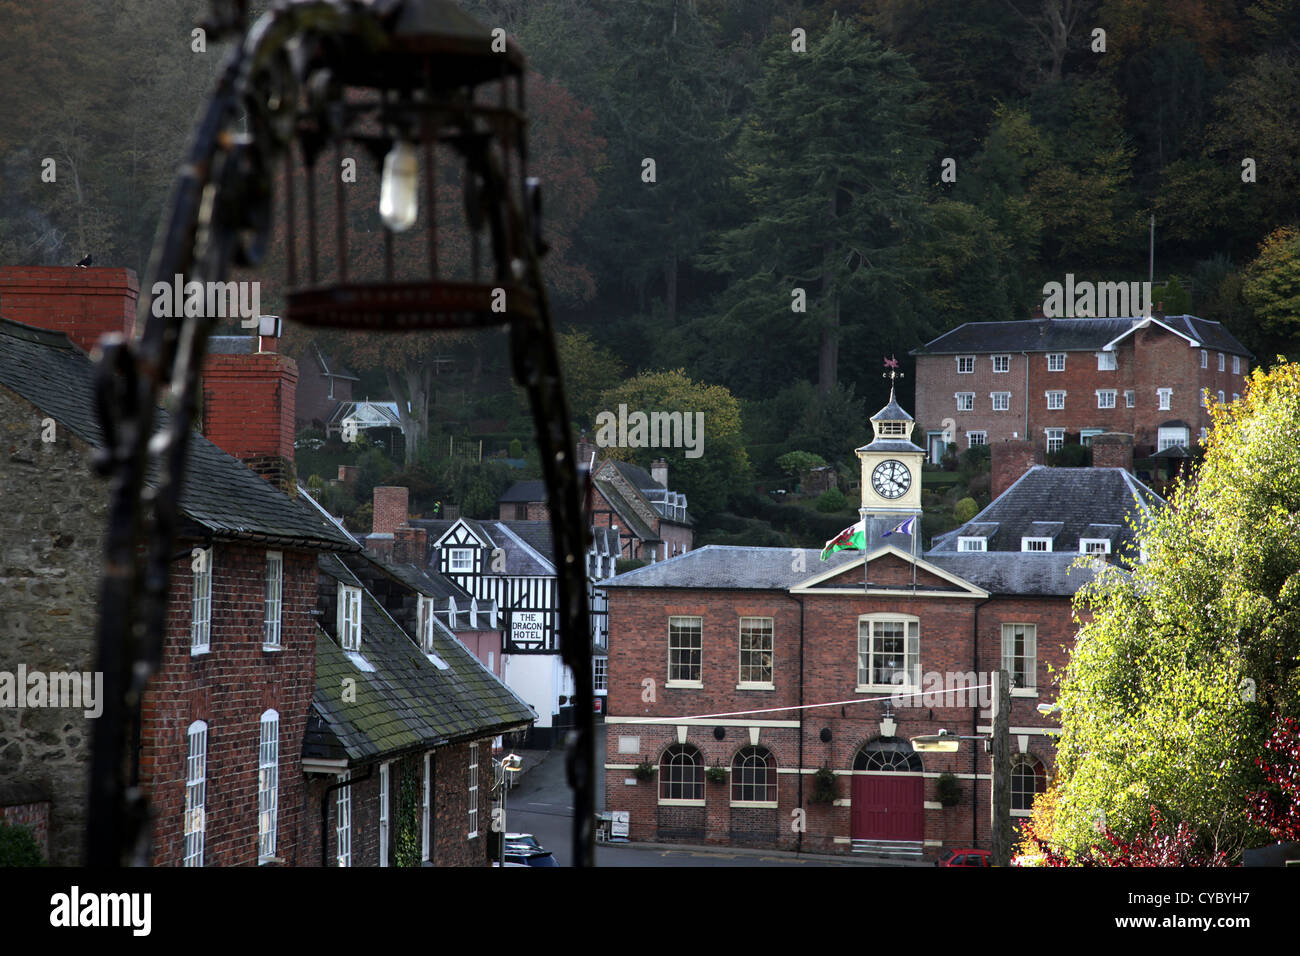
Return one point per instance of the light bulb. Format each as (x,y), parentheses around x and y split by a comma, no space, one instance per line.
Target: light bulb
(397,190)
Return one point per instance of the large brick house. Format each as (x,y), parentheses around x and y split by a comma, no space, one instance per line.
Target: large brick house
(1049,380)
(800,684)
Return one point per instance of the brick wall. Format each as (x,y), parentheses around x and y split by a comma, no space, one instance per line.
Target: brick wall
(35,817)
(1010,460)
(391,505)
(248,411)
(51,539)
(638,650)
(229,688)
(83,303)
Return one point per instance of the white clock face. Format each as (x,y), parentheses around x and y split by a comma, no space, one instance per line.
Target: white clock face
(891,479)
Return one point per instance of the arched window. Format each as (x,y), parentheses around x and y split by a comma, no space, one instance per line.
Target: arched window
(888,755)
(1028,778)
(268,785)
(681,774)
(196,789)
(753,776)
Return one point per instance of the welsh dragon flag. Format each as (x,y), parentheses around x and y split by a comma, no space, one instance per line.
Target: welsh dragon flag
(854,537)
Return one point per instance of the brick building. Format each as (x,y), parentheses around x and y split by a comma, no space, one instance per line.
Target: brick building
(798,685)
(322,385)
(1053,380)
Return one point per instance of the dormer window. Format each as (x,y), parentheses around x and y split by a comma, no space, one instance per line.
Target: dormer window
(349,617)
(426,624)
(1094,546)
(1036,544)
(972,544)
(460,560)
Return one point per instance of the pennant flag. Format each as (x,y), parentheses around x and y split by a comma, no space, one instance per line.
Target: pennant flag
(854,537)
(904,527)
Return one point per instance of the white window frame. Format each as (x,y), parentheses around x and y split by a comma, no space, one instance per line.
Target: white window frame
(977,437)
(268,785)
(196,792)
(349,617)
(1106,397)
(201,606)
(1170,437)
(1221,396)
(599,675)
(384,777)
(1004,361)
(1086,435)
(1236,365)
(1205,398)
(426,615)
(1221,365)
(1094,545)
(911,651)
(424,807)
(271,624)
(740,780)
(1036,545)
(969,362)
(1130,399)
(698,680)
(1005,398)
(1205,358)
(460,560)
(343,823)
(1055,436)
(965,401)
(1165,398)
(473,791)
(1029,657)
(1053,365)
(972,544)
(760,624)
(1107,362)
(1055,400)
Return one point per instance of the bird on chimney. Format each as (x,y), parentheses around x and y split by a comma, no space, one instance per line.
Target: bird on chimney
(85,260)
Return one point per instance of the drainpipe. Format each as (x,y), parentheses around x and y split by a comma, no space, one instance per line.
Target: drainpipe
(974,726)
(1026,355)
(802,718)
(325,809)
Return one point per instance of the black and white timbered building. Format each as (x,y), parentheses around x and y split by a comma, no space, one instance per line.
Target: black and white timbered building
(510,564)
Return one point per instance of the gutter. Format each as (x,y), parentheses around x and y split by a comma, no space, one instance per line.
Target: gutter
(325,808)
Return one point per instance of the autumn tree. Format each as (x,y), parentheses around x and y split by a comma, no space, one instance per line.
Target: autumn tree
(1180,662)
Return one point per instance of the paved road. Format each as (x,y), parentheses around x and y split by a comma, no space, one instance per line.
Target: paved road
(542,805)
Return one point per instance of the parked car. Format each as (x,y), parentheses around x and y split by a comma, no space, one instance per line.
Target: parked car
(965,857)
(529,857)
(526,840)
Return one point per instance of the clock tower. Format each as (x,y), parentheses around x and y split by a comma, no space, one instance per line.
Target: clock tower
(891,474)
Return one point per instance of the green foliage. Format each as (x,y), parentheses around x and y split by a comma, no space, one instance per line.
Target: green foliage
(623,565)
(589,371)
(1272,285)
(516,448)
(949,789)
(965,509)
(831,501)
(796,463)
(408,819)
(1171,297)
(824,787)
(18,847)
(720,463)
(1070,455)
(644,771)
(1178,666)
(716,774)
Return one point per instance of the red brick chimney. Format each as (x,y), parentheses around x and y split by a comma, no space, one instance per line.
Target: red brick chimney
(409,545)
(391,503)
(1011,459)
(82,303)
(248,411)
(1113,450)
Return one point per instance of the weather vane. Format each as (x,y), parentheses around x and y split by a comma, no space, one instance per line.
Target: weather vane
(892,371)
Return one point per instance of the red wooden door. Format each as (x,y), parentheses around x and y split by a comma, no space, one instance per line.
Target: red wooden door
(888,806)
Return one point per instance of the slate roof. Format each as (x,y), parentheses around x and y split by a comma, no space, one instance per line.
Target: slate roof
(1069,335)
(1053,574)
(1065,504)
(893,412)
(629,519)
(219,493)
(732,566)
(407,703)
(530,489)
(638,476)
(515,538)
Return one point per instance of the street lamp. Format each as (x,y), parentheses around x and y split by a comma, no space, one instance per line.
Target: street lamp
(510,763)
(943,742)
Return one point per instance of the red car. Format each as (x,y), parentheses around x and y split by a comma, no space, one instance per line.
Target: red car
(965,858)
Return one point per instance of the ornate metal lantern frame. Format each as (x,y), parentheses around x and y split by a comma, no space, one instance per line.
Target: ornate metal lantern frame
(394,78)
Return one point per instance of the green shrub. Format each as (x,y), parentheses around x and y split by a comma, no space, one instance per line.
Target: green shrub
(516,448)
(832,500)
(824,786)
(18,847)
(949,790)
(965,510)
(798,462)
(628,564)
